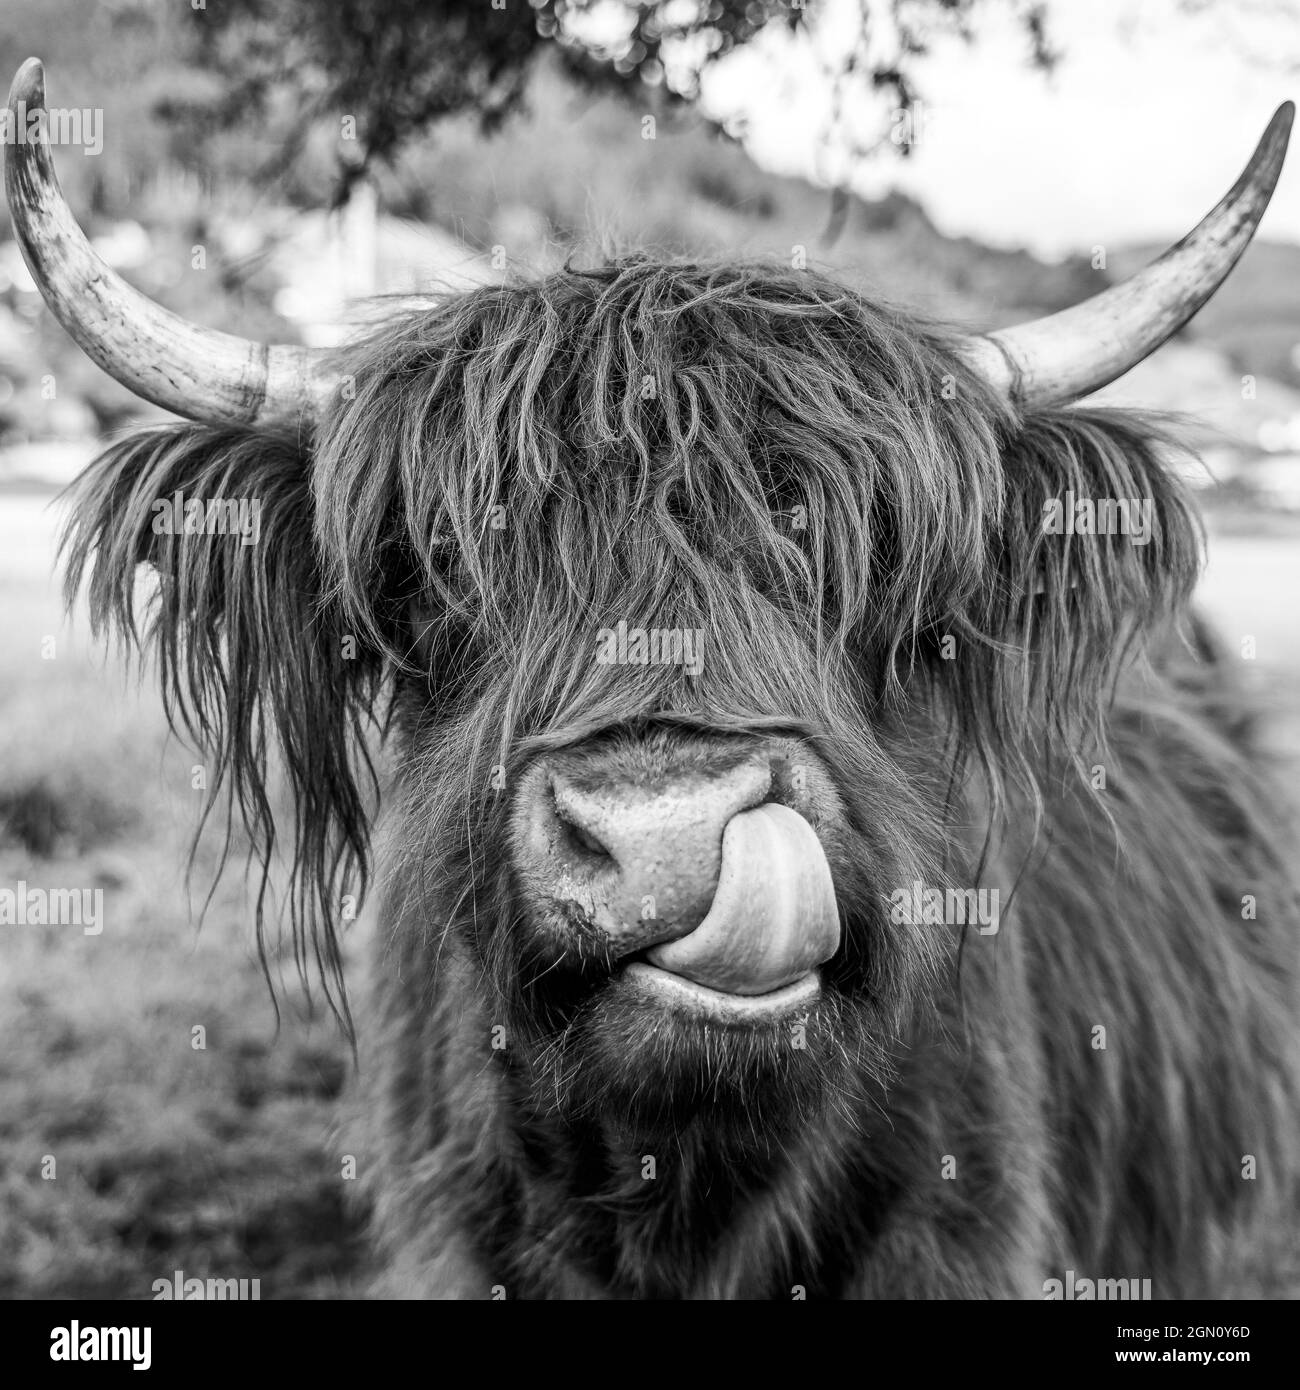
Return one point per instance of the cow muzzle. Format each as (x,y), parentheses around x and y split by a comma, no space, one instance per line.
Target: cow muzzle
(709,894)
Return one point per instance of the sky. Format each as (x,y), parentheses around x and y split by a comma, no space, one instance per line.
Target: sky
(1144,125)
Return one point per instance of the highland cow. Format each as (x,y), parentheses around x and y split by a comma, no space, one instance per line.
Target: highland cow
(804,870)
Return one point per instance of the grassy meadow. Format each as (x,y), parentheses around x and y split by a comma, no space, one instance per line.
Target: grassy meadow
(219,1162)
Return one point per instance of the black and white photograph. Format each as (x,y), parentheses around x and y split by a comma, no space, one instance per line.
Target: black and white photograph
(650,651)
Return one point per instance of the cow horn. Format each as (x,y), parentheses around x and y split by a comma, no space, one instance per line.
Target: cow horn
(1068,354)
(197,372)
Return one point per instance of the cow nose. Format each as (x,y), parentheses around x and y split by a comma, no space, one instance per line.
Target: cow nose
(641,862)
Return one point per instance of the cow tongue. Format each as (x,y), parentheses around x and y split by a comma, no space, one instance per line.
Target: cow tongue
(773,917)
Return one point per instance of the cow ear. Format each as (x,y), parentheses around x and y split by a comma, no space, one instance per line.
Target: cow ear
(248,650)
(1062,611)
(1101,538)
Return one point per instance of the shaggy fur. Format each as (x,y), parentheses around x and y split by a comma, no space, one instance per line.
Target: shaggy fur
(854,520)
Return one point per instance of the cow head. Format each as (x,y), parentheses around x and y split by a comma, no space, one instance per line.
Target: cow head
(703,608)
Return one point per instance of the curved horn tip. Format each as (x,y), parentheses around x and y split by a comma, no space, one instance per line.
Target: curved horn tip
(1277,133)
(1271,150)
(28,85)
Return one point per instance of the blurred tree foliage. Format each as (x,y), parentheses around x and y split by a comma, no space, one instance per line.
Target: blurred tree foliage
(261,89)
(386,71)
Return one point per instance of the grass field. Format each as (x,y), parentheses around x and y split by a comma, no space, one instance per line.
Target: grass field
(223,1161)
(218,1162)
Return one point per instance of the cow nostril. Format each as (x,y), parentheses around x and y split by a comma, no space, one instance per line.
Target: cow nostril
(583,839)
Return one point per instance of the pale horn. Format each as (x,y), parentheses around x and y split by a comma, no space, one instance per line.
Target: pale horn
(1064,356)
(197,372)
